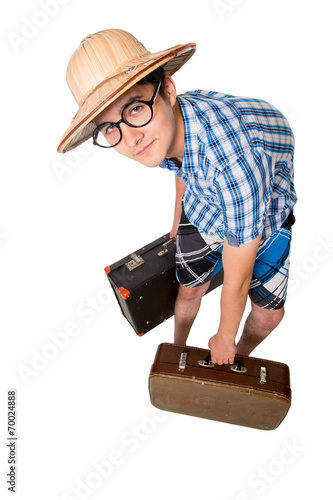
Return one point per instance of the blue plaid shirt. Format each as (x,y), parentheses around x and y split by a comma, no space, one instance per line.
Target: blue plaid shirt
(237,166)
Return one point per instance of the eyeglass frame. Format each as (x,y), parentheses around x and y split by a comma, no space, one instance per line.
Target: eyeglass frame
(122,120)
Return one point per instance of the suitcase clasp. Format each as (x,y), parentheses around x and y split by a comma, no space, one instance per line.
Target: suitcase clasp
(182,361)
(135,262)
(263,375)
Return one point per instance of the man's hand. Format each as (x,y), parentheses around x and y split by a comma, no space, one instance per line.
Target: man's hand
(222,351)
(238,267)
(174,229)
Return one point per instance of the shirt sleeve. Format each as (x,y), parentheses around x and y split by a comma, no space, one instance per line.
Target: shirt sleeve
(245,190)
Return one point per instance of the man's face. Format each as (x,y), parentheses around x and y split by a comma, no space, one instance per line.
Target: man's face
(161,138)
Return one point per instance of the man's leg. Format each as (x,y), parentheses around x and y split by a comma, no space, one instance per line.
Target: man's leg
(196,262)
(259,324)
(268,291)
(186,309)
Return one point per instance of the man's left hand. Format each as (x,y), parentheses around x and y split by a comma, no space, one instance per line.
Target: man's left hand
(222,351)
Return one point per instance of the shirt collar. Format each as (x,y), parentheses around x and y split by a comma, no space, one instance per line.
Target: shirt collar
(190,158)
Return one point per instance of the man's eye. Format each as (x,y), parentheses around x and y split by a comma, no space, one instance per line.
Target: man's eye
(109,129)
(136,109)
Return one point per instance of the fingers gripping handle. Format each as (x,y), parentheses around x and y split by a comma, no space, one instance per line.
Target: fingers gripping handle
(236,367)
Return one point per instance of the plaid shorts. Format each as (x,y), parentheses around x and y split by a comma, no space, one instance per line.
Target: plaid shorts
(199,258)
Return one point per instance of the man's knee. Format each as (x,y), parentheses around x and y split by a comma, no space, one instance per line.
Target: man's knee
(187,293)
(267,318)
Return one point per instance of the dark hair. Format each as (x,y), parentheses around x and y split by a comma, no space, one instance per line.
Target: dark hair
(154,77)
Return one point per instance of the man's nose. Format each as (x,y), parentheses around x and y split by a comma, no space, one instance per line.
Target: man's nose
(131,135)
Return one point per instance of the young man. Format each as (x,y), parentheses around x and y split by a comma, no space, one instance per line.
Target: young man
(233,163)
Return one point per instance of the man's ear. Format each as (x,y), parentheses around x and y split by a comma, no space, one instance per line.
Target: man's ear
(169,89)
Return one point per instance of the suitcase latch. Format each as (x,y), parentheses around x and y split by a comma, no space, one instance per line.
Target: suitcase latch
(135,262)
(182,361)
(263,375)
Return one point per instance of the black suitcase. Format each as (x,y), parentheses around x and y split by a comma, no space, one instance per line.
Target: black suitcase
(145,284)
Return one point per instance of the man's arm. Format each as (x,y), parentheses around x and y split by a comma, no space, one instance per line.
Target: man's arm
(238,265)
(180,190)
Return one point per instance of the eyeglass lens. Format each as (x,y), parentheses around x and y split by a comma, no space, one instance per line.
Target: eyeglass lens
(136,114)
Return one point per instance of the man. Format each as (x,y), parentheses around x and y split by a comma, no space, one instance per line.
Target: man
(233,160)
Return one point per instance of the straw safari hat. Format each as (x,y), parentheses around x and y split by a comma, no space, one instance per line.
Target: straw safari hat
(103,67)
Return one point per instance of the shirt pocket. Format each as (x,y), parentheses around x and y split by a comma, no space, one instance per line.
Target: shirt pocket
(202,184)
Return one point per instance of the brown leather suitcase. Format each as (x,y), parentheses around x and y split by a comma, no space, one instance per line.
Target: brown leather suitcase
(252,392)
(145,284)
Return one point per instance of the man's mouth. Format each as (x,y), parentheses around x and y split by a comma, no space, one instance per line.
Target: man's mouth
(145,149)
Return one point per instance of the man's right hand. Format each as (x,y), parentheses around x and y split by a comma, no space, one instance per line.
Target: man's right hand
(174,229)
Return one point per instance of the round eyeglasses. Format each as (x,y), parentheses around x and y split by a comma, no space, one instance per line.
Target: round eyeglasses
(136,114)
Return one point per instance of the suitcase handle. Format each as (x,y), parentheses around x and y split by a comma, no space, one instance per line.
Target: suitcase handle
(236,367)
(164,247)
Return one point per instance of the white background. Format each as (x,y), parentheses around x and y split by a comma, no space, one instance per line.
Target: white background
(85,405)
